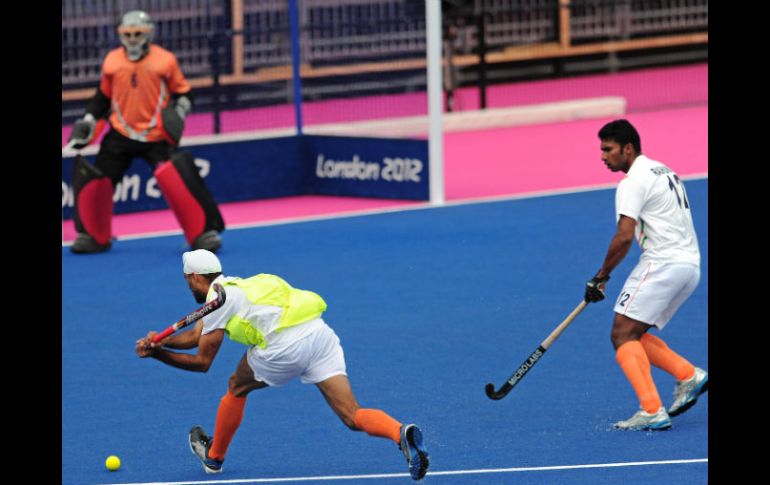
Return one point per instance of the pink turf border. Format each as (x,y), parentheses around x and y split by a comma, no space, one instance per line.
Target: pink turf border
(497,162)
(478,164)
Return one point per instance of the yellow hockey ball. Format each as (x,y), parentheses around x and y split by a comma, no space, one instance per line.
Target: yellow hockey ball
(112,463)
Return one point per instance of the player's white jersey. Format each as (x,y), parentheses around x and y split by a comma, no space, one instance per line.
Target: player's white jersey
(653,195)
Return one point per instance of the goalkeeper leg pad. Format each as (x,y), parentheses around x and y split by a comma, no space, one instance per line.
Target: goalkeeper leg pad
(93,201)
(187,195)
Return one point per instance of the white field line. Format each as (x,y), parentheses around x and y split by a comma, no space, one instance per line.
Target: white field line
(436,473)
(387,210)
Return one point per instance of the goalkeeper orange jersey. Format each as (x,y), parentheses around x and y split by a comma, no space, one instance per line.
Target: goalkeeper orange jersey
(139,90)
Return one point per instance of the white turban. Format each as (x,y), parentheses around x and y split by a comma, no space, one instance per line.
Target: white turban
(201,261)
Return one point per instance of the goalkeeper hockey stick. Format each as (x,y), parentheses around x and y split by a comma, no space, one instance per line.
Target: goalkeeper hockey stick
(196,315)
(534,357)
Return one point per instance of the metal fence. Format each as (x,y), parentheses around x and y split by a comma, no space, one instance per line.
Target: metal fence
(183,26)
(625,19)
(265,34)
(237,53)
(335,30)
(200,32)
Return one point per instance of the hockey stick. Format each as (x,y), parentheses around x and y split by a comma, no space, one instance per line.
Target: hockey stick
(196,315)
(533,358)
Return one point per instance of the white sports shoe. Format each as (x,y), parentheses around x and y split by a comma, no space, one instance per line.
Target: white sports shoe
(686,392)
(643,420)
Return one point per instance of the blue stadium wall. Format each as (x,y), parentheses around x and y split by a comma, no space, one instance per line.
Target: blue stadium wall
(280,167)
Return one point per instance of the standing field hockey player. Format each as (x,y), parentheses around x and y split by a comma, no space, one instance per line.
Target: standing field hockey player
(651,206)
(146,98)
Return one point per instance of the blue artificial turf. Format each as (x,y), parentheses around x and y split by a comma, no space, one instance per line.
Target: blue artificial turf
(430,305)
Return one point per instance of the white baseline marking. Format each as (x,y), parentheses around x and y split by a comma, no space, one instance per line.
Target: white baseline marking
(387,210)
(436,473)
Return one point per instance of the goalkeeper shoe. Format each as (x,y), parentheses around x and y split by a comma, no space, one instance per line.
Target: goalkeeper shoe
(643,420)
(85,244)
(200,443)
(414,451)
(687,391)
(209,240)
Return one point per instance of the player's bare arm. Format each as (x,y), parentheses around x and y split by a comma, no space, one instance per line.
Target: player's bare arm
(183,340)
(619,246)
(208,346)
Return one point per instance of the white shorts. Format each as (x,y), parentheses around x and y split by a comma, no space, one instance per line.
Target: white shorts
(313,358)
(653,292)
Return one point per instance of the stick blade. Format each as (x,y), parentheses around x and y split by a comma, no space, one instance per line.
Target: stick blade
(221,295)
(497,395)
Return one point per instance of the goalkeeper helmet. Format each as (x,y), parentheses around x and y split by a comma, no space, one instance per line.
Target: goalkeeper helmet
(135,32)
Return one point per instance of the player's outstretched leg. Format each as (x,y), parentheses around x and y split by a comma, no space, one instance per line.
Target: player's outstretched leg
(687,391)
(200,443)
(414,451)
(375,422)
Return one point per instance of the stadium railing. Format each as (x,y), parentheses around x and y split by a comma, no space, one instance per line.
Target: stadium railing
(232,43)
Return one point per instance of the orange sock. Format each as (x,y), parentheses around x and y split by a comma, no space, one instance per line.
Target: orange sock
(229,417)
(662,356)
(633,360)
(378,423)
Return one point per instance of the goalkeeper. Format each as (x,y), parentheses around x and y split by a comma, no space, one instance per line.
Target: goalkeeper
(146,99)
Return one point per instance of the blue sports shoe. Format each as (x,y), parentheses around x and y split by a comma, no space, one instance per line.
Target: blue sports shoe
(686,392)
(200,443)
(414,451)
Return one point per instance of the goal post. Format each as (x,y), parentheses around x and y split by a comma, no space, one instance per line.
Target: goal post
(435,130)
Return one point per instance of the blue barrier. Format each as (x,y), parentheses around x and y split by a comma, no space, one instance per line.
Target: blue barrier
(368,167)
(280,167)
